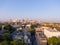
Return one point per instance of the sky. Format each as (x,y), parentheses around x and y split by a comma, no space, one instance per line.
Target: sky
(45,10)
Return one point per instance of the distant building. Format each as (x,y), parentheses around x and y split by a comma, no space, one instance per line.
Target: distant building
(28,26)
(15,22)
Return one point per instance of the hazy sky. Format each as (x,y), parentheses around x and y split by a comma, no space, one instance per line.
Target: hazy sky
(45,10)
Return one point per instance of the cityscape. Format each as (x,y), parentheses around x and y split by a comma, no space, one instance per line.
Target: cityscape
(29,22)
(29,32)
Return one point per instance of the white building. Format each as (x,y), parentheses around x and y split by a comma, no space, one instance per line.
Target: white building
(28,26)
(49,32)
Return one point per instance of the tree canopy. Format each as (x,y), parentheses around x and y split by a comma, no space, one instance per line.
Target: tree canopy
(18,42)
(0,26)
(9,27)
(32,31)
(33,26)
(54,41)
(14,42)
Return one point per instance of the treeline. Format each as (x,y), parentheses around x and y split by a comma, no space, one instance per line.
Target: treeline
(54,41)
(6,37)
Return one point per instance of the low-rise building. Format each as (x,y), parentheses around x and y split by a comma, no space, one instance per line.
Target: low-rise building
(17,35)
(49,32)
(40,37)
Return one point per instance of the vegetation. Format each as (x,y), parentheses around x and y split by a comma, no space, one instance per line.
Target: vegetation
(1,38)
(6,38)
(54,41)
(18,42)
(20,30)
(33,26)
(0,26)
(14,42)
(53,26)
(9,27)
(32,31)
(4,43)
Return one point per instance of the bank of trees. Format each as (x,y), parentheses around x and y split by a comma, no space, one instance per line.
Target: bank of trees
(54,41)
(33,26)
(14,42)
(6,37)
(0,26)
(32,30)
(52,26)
(9,28)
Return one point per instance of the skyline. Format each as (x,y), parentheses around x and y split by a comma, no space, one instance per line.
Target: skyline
(45,10)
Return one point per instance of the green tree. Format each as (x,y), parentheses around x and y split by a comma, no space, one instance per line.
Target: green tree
(32,31)
(17,42)
(20,30)
(0,26)
(4,43)
(9,27)
(1,38)
(33,26)
(53,41)
(58,41)
(51,26)
(7,36)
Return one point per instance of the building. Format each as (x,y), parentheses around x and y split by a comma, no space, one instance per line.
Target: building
(49,32)
(27,37)
(17,35)
(15,22)
(40,37)
(28,26)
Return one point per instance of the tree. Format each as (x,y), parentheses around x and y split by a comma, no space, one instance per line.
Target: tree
(7,36)
(20,30)
(17,42)
(1,38)
(9,27)
(32,31)
(0,26)
(4,43)
(33,26)
(51,26)
(53,41)
(58,41)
